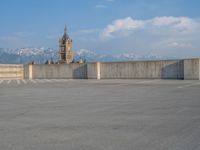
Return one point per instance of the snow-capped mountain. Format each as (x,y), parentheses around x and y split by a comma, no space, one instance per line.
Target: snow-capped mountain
(41,55)
(27,55)
(92,56)
(29,51)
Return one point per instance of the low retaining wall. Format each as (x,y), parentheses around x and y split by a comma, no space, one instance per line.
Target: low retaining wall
(162,69)
(55,71)
(9,71)
(93,70)
(191,69)
(169,69)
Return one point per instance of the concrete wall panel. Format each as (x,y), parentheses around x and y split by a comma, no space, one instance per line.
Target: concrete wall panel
(61,71)
(92,71)
(191,69)
(170,69)
(8,71)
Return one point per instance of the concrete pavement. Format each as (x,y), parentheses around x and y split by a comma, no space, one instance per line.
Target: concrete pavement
(99,114)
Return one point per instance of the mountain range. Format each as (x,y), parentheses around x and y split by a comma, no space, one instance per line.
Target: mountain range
(41,55)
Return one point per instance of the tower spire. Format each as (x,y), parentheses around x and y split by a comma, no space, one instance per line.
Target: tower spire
(65,28)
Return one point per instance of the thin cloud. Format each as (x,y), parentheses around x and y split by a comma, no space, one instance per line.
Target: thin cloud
(180,45)
(122,24)
(179,23)
(110,0)
(168,24)
(101,6)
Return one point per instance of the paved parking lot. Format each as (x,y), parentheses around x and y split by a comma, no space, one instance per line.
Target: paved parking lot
(99,114)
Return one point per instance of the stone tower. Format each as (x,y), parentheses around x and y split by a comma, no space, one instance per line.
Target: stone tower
(66,53)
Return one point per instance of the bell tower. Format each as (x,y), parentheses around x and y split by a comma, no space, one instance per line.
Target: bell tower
(66,52)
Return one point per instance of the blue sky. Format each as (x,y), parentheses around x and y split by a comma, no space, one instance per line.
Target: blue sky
(165,27)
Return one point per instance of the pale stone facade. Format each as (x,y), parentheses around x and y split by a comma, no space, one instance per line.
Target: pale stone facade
(66,52)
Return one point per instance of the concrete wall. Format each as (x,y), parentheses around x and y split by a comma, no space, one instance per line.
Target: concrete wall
(92,70)
(191,69)
(26,72)
(163,69)
(169,69)
(55,71)
(8,71)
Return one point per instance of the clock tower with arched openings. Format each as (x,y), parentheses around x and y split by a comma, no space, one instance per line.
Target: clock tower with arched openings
(66,52)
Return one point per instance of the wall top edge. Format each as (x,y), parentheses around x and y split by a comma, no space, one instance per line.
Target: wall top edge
(192,59)
(106,62)
(11,64)
(149,60)
(143,61)
(54,64)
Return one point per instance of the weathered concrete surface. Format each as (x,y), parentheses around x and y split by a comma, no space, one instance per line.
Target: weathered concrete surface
(27,73)
(92,70)
(191,69)
(161,69)
(9,71)
(169,69)
(61,71)
(100,115)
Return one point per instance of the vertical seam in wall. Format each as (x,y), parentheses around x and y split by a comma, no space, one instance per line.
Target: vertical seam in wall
(30,71)
(98,70)
(199,69)
(22,72)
